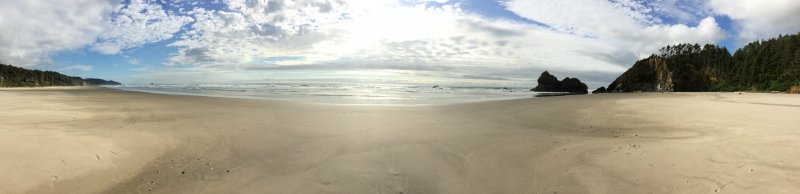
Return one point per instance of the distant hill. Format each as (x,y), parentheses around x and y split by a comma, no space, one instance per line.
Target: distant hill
(11,76)
(95,81)
(769,65)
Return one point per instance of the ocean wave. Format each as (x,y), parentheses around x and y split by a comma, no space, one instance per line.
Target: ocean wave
(343,93)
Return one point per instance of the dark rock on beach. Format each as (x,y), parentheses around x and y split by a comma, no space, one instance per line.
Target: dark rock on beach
(549,83)
(794,90)
(600,90)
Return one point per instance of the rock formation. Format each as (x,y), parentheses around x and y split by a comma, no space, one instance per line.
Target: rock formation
(646,75)
(655,74)
(794,90)
(549,83)
(600,90)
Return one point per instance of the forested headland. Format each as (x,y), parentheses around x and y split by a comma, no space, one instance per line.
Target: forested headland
(766,65)
(12,76)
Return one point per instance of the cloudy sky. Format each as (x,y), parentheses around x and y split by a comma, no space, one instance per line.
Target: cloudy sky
(430,41)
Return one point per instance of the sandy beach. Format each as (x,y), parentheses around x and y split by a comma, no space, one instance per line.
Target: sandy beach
(93,140)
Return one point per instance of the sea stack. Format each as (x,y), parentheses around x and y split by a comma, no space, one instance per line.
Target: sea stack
(549,83)
(600,90)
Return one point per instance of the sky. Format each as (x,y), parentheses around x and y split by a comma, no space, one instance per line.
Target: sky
(478,42)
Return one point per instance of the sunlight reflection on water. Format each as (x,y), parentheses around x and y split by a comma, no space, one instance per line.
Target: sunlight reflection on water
(337,93)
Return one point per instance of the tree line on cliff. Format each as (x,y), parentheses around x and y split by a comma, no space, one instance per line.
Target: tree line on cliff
(11,76)
(766,65)
(773,64)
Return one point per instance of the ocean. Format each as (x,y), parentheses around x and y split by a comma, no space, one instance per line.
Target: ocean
(341,93)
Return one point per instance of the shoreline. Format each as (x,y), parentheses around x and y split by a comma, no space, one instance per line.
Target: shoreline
(357,95)
(538,95)
(47,88)
(116,141)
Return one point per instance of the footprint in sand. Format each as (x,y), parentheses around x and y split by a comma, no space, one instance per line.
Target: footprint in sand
(53,181)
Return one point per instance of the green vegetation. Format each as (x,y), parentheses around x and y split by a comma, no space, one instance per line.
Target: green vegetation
(773,64)
(11,76)
(767,65)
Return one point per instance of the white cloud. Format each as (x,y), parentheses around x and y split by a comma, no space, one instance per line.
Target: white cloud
(627,23)
(760,19)
(384,36)
(654,37)
(133,61)
(138,23)
(389,37)
(250,30)
(681,11)
(77,67)
(451,40)
(31,31)
(587,18)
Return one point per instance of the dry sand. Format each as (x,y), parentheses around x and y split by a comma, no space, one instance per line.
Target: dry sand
(93,140)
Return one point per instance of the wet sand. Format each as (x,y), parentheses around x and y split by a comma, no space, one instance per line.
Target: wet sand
(90,140)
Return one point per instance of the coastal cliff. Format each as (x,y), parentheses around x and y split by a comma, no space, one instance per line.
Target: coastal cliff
(649,74)
(770,65)
(656,74)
